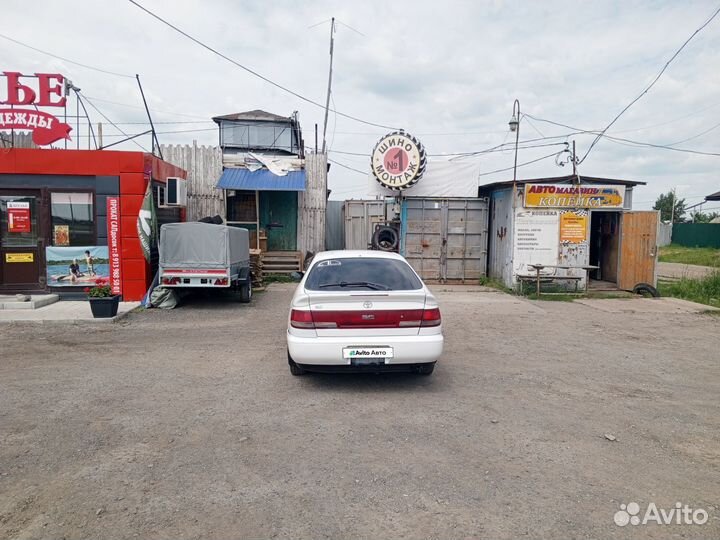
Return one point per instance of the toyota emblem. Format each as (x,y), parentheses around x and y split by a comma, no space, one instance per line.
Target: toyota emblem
(367,305)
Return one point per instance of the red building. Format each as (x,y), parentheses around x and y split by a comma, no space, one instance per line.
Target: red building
(70,216)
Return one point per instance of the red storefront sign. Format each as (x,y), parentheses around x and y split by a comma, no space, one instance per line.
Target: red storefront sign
(114,243)
(48,91)
(18,216)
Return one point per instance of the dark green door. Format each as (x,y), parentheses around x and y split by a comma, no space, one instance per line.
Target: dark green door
(278,216)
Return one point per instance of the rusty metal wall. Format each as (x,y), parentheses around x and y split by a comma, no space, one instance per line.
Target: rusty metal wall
(500,247)
(446,239)
(360,219)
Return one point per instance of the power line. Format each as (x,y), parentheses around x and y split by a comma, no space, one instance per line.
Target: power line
(251,71)
(647,88)
(696,136)
(103,100)
(623,140)
(498,148)
(111,122)
(100,70)
(520,164)
(364,173)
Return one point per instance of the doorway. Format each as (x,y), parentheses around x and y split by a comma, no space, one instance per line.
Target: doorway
(21,241)
(278,216)
(604,247)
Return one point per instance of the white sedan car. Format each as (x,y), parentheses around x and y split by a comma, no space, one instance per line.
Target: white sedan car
(363,311)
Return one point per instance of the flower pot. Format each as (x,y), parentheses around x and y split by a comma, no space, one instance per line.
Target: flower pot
(103,308)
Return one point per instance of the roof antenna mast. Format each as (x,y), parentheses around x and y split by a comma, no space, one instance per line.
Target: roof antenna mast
(155,142)
(327,100)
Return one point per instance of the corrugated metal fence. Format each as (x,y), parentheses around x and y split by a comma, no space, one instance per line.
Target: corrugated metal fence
(204,167)
(664,234)
(334,226)
(696,234)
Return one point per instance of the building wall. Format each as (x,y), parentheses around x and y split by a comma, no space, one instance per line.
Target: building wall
(108,173)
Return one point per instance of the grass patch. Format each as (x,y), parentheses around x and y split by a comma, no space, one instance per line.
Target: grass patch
(278,278)
(704,291)
(493,283)
(704,256)
(554,297)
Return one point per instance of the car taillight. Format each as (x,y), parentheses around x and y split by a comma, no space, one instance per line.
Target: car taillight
(431,317)
(301,319)
(221,281)
(170,281)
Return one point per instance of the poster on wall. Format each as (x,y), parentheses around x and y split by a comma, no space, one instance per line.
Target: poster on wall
(18,216)
(61,235)
(573,226)
(114,246)
(76,266)
(536,239)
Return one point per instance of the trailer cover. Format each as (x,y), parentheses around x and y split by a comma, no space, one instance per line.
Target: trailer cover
(202,245)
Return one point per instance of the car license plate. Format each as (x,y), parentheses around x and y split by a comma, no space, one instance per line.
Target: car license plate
(359,356)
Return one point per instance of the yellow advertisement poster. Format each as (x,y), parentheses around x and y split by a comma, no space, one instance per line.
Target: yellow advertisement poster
(19,257)
(573,227)
(570,196)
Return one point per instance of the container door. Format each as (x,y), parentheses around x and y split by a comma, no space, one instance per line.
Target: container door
(21,244)
(424,235)
(638,249)
(465,245)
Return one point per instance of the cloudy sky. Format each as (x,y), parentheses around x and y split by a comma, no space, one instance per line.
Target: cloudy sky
(445,71)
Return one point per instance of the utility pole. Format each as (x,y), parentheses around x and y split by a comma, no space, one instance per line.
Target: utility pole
(672,208)
(327,100)
(574,160)
(100,134)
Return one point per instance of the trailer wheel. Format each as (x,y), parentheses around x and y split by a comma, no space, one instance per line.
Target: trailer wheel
(646,290)
(245,292)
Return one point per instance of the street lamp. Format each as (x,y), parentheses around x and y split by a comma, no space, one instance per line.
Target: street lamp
(515,126)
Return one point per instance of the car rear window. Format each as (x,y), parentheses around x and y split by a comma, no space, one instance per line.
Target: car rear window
(362,274)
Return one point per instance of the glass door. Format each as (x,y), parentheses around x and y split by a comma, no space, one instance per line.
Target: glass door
(20,241)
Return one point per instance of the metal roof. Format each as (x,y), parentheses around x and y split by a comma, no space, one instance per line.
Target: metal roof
(713,197)
(562,180)
(254,116)
(261,180)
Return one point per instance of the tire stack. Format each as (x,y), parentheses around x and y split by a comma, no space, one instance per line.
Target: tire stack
(256,268)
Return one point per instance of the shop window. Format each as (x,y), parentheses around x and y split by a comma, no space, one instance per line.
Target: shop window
(241,207)
(73,219)
(18,221)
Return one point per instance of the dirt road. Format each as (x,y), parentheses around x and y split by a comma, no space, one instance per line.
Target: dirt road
(187,424)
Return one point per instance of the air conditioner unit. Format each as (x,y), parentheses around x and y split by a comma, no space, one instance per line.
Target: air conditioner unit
(176,193)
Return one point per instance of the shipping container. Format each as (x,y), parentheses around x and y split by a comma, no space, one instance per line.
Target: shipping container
(445,239)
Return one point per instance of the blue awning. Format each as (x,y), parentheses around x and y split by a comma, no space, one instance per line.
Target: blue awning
(261,180)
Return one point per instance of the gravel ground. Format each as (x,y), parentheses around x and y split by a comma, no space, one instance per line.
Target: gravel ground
(187,424)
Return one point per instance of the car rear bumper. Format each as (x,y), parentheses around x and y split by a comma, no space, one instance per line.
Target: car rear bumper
(328,351)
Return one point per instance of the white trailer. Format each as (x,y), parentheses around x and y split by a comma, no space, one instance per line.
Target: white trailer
(202,255)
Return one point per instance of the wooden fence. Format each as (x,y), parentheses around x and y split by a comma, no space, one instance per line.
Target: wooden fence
(312,203)
(204,167)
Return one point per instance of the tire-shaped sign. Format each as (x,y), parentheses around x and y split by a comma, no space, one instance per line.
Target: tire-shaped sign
(398,160)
